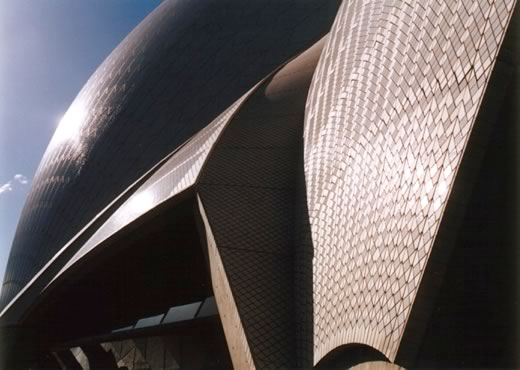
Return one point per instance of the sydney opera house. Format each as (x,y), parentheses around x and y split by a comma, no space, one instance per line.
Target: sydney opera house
(274,184)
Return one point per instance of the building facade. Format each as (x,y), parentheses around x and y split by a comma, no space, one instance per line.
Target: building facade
(296,184)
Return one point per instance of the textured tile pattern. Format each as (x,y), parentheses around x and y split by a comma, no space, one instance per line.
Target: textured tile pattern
(176,175)
(150,353)
(182,66)
(80,357)
(235,336)
(198,348)
(392,104)
(247,189)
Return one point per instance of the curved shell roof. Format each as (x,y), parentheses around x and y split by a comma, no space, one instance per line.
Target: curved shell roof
(171,76)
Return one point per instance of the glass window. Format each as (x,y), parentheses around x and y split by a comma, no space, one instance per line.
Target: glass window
(181,313)
(209,308)
(149,321)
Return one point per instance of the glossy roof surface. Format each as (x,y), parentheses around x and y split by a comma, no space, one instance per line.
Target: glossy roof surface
(172,75)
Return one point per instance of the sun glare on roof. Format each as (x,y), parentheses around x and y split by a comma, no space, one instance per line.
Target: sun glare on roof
(70,125)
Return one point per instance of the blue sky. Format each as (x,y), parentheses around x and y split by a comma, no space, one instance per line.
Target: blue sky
(48,50)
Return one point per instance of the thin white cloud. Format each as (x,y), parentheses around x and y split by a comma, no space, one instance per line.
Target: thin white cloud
(21,179)
(9,185)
